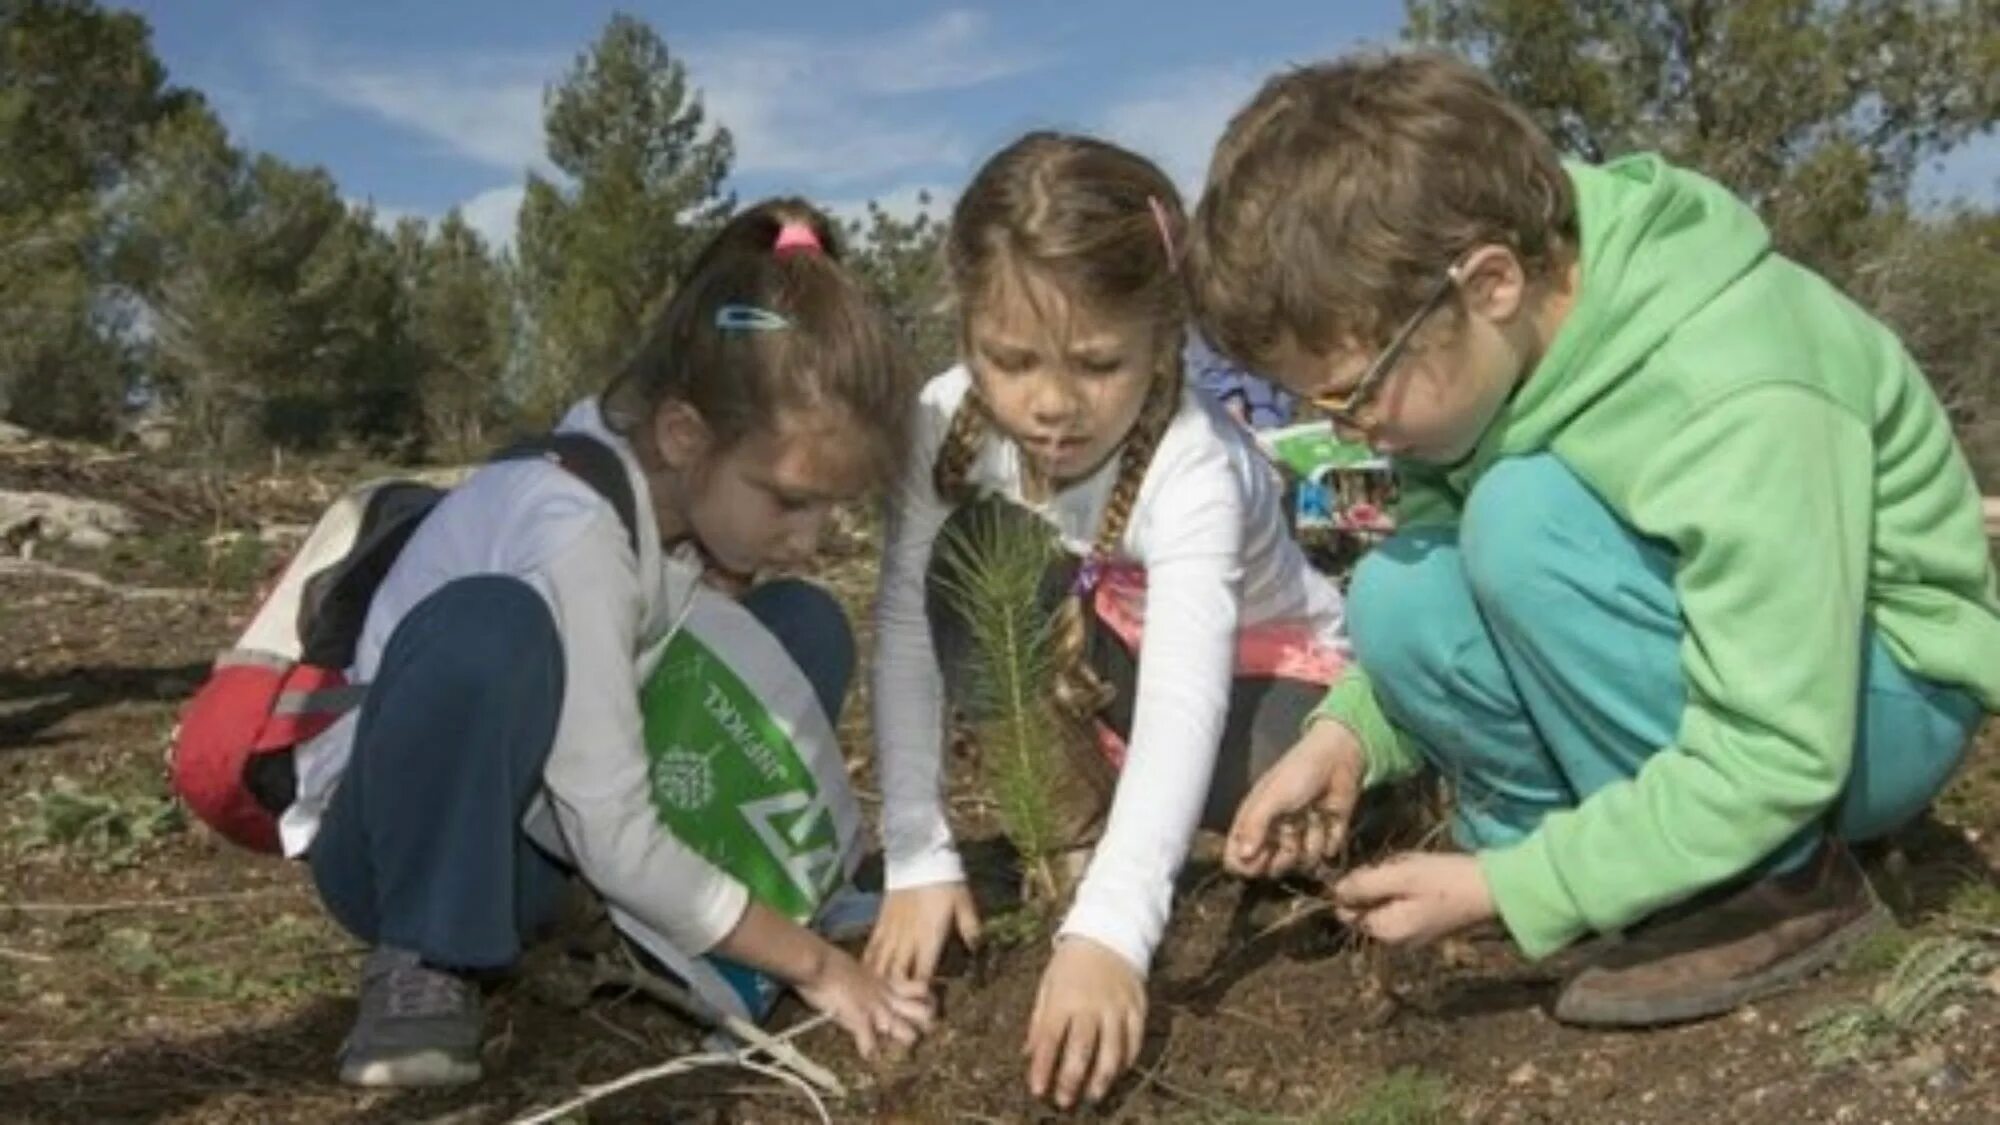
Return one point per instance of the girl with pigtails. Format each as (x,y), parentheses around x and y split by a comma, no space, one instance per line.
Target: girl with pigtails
(1192,637)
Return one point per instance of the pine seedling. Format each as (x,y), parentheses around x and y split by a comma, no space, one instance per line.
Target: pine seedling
(993,576)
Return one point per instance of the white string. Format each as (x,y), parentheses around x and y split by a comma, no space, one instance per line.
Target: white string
(744,1059)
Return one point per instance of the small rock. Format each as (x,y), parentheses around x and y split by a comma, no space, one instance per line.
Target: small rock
(46,515)
(89,539)
(1947,1080)
(1952,1016)
(1523,1074)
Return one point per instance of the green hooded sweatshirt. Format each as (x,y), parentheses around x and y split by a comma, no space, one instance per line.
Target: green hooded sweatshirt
(1729,402)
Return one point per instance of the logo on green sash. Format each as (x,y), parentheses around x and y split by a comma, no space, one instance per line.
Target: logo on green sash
(727,781)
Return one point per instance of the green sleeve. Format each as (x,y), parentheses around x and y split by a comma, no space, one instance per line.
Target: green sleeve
(1766,496)
(1425,497)
(1352,703)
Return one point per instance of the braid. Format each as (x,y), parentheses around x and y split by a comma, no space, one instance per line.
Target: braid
(1080,694)
(960,448)
(1162,402)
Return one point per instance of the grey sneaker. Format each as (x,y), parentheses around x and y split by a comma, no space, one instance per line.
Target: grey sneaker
(418,1026)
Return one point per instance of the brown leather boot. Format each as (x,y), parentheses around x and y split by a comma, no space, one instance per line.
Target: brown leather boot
(1728,946)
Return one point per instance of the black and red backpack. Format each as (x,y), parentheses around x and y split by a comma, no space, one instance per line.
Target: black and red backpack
(285,678)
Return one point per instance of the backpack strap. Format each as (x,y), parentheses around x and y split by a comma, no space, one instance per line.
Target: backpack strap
(590,461)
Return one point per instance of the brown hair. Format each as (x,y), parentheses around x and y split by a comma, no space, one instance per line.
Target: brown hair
(1098,224)
(1339,196)
(835,350)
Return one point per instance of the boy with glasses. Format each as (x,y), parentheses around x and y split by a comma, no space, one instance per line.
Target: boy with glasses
(1691,588)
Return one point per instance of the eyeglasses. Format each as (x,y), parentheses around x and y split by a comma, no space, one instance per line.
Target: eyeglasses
(1345,407)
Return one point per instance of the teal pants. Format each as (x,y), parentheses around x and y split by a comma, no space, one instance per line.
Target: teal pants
(1534,656)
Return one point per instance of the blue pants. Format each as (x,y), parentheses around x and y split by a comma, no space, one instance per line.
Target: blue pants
(422,846)
(1537,657)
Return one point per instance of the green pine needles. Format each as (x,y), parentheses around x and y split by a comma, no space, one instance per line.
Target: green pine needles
(993,572)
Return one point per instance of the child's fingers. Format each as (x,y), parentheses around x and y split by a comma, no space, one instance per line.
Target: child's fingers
(876,956)
(1332,821)
(966,914)
(1045,1042)
(1245,856)
(1080,1049)
(914,1007)
(1111,1049)
(1250,831)
(1370,885)
(888,955)
(1135,1035)
(923,957)
(1394,923)
(1315,838)
(1286,851)
(861,1026)
(903,1023)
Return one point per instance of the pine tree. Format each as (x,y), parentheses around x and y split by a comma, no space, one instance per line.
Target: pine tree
(902,263)
(599,253)
(460,318)
(78,88)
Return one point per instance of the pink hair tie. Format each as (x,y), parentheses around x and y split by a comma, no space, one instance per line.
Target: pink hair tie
(1165,225)
(796,235)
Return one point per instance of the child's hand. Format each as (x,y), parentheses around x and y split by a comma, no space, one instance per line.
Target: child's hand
(869,1007)
(829,978)
(1415,897)
(1090,1016)
(910,933)
(1297,814)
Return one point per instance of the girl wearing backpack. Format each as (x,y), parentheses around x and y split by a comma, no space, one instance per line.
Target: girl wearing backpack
(501,745)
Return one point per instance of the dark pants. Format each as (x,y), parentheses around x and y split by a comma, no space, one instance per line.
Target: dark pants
(422,846)
(1265,713)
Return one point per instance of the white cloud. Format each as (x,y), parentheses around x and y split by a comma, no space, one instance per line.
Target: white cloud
(824,108)
(1176,118)
(904,201)
(493,213)
(953,51)
(485,108)
(386,218)
(829,110)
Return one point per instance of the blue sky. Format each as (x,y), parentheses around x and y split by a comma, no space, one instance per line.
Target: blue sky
(422,106)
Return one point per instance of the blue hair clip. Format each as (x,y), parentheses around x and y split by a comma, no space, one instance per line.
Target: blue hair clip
(749,318)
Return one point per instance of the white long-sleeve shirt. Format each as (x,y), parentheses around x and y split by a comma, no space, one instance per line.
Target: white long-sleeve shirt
(534,521)
(1208,527)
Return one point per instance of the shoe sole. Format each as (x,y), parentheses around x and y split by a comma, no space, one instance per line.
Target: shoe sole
(1654,1012)
(422,1068)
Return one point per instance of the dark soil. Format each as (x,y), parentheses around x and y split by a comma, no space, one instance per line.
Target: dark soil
(151,973)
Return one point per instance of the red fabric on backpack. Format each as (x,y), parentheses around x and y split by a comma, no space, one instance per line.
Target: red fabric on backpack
(217,735)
